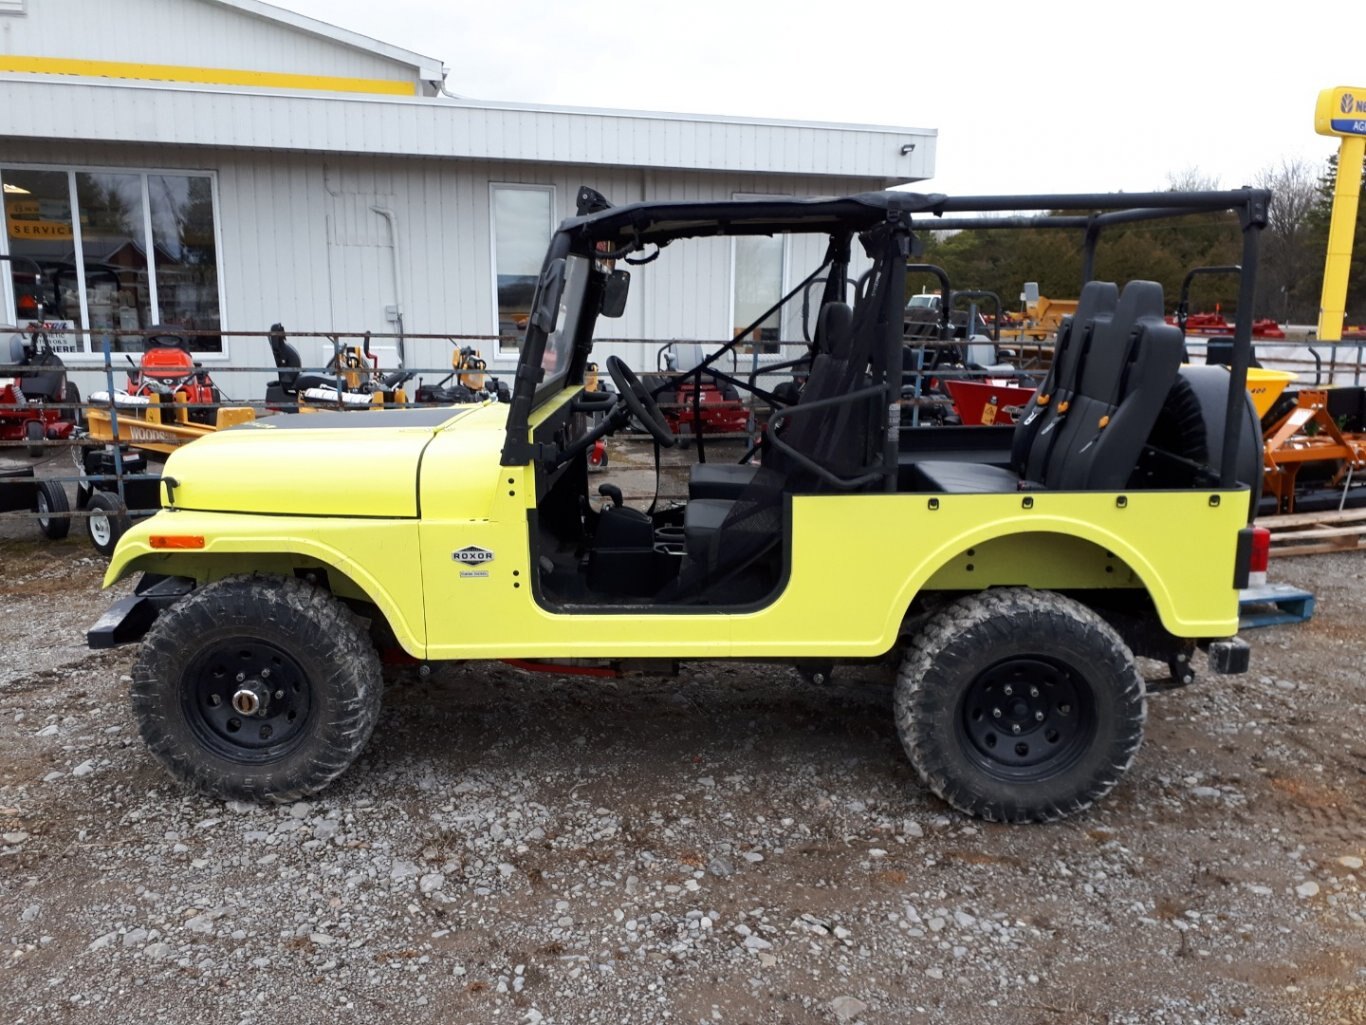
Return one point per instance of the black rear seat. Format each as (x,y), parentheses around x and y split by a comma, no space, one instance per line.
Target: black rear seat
(1089,436)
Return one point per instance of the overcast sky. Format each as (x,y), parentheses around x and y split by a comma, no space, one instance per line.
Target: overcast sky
(1027,97)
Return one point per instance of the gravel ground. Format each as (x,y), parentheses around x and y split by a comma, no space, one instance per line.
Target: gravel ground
(734,845)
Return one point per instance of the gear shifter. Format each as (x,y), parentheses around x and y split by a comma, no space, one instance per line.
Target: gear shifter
(612,492)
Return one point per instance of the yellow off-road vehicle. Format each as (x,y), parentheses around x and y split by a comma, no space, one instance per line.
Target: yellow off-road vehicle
(1013,572)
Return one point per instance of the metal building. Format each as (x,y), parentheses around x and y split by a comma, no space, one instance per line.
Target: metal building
(224,164)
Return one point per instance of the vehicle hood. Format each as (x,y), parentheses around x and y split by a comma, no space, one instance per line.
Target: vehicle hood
(358,463)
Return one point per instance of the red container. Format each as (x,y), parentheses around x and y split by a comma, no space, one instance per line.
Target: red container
(987,402)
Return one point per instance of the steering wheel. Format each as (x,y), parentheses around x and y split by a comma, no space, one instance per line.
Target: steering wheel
(639,401)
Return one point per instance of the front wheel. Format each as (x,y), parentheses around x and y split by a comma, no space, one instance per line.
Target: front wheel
(1017,705)
(257,688)
(108,520)
(34,435)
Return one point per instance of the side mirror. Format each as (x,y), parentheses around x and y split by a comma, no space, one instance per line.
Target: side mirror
(548,292)
(614,292)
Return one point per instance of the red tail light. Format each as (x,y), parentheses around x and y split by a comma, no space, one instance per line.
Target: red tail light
(1261,549)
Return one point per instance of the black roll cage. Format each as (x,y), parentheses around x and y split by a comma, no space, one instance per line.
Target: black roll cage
(602,231)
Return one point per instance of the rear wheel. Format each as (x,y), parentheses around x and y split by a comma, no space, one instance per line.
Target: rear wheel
(1017,705)
(107,521)
(72,411)
(51,505)
(260,688)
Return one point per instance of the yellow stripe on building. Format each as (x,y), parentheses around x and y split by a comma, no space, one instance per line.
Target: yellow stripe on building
(202,76)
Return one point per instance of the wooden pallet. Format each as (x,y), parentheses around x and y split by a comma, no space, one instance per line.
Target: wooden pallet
(1271,604)
(1317,532)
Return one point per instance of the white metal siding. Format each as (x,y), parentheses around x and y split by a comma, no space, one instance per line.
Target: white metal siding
(185,32)
(301,245)
(116,111)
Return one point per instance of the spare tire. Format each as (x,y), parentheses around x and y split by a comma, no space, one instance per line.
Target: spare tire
(1185,448)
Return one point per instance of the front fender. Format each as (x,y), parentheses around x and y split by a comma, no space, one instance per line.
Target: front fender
(375,560)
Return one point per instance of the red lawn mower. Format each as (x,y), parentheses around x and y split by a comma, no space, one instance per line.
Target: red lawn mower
(168,369)
(37,402)
(696,403)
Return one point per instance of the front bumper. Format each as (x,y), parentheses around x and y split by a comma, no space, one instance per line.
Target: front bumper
(128,619)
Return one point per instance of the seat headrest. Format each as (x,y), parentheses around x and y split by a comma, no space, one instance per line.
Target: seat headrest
(1140,299)
(1096,297)
(833,326)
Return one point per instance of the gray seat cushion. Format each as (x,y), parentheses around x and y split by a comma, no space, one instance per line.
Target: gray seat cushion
(954,477)
(720,480)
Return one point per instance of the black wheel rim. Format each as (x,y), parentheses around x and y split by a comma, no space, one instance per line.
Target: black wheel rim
(221,684)
(1026,719)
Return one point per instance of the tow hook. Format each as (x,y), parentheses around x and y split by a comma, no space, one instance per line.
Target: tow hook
(1229,656)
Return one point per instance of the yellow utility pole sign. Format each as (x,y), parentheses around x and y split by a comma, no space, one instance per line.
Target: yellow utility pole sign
(1342,112)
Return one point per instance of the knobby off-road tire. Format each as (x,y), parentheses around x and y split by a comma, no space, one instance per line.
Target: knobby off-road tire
(298,648)
(1019,706)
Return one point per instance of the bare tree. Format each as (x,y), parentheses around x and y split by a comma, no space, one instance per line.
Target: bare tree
(1287,282)
(1191,179)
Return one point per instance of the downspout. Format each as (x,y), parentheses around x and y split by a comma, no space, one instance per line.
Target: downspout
(392,220)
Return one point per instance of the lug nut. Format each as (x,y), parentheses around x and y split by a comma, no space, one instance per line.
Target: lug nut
(1033,692)
(265,673)
(996,713)
(1038,717)
(1009,690)
(1015,728)
(279,695)
(241,677)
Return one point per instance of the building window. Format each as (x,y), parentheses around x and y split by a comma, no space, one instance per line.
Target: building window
(523,219)
(118,251)
(759,269)
(186,254)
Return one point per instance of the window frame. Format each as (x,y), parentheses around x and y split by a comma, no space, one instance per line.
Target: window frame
(92,354)
(494,186)
(748,348)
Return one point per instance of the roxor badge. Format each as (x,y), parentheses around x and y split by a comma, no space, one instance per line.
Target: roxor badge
(472,556)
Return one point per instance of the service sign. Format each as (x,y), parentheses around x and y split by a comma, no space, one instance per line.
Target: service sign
(1341,111)
(61,334)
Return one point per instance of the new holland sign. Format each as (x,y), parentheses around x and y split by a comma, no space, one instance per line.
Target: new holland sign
(1341,111)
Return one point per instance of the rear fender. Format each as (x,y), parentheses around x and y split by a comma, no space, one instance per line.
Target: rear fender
(1150,541)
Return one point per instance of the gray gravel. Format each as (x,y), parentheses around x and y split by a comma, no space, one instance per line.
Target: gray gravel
(735,845)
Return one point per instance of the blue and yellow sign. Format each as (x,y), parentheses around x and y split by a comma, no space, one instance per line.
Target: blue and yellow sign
(1341,111)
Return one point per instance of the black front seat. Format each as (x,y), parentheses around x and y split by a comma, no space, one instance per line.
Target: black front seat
(727,481)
